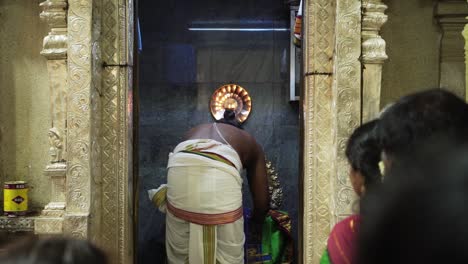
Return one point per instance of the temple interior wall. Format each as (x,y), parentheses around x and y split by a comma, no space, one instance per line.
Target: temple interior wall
(413,47)
(24,95)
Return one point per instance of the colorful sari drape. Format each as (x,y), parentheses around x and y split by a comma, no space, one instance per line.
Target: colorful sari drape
(341,246)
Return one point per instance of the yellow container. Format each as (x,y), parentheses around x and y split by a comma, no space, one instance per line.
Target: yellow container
(15,198)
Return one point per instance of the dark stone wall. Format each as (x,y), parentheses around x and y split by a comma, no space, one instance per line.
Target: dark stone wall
(180,69)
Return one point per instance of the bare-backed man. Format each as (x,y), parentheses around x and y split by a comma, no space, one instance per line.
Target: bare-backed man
(204,222)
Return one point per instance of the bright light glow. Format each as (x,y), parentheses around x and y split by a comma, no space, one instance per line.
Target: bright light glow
(238,29)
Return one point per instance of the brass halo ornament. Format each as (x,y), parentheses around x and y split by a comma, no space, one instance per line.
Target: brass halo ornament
(233,97)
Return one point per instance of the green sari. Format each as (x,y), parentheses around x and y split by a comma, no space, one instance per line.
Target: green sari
(325,258)
(277,243)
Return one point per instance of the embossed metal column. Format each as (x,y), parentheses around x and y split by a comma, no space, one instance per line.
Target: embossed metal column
(318,140)
(116,137)
(331,102)
(82,120)
(373,56)
(55,50)
(99,204)
(347,101)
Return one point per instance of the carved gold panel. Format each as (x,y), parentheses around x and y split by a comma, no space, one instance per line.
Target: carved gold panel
(319,42)
(331,110)
(98,117)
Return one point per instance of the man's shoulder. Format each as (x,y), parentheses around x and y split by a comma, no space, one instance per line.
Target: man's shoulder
(247,136)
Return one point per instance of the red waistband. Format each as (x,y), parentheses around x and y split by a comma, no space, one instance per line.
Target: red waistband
(206,219)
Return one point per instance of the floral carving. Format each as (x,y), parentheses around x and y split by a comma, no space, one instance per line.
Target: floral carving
(78,188)
(80,150)
(76,225)
(347,106)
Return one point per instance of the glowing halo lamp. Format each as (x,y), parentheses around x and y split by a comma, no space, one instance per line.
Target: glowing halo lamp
(233,97)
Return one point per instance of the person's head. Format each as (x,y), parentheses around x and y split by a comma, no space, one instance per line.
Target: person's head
(52,250)
(363,155)
(416,117)
(229,117)
(418,215)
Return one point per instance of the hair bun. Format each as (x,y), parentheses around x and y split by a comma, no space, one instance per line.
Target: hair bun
(229,114)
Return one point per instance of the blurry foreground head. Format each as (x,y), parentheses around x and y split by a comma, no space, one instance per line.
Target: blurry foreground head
(419,214)
(416,117)
(363,154)
(53,251)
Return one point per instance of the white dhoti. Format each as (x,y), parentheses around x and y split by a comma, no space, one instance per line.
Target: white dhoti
(204,222)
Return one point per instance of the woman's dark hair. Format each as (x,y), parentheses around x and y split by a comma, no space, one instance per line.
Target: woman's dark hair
(52,250)
(416,117)
(363,153)
(229,118)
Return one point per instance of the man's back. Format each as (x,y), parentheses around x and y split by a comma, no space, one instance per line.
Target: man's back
(250,153)
(244,144)
(204,194)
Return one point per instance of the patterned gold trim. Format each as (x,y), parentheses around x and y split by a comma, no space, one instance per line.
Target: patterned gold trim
(318,132)
(117,205)
(347,101)
(331,110)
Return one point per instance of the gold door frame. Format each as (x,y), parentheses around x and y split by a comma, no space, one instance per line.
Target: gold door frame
(99,190)
(99,116)
(341,48)
(343,56)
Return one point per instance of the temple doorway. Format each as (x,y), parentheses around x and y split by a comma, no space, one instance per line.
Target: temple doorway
(190,48)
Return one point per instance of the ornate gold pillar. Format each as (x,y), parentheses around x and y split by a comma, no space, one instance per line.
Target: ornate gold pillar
(373,56)
(347,96)
(116,140)
(318,140)
(451,17)
(55,51)
(80,113)
(98,137)
(331,104)
(89,53)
